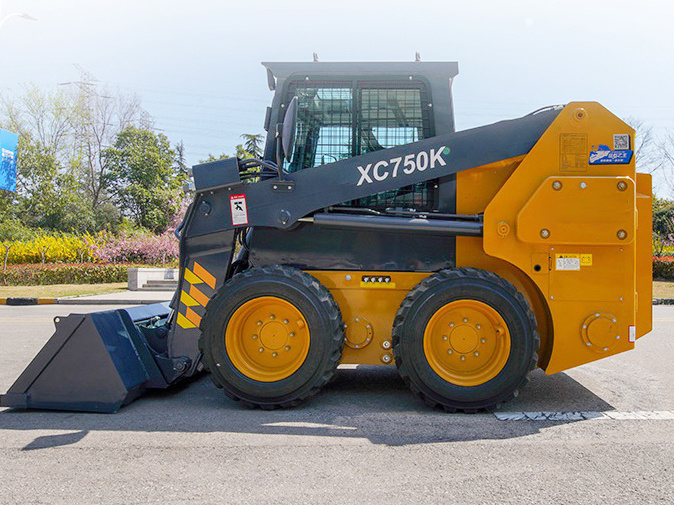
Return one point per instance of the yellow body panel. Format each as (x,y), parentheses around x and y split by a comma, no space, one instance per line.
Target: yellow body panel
(368,310)
(644,255)
(589,214)
(565,233)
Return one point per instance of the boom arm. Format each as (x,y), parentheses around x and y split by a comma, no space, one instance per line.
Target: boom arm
(281,204)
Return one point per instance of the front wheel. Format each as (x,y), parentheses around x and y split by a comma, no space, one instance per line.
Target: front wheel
(465,339)
(272,337)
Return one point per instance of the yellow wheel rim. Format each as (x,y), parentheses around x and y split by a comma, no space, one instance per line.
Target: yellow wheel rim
(267,339)
(467,342)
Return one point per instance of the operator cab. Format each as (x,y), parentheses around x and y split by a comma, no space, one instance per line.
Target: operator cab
(346,110)
(349,109)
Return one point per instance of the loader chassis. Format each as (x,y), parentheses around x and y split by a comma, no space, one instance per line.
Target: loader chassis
(464,258)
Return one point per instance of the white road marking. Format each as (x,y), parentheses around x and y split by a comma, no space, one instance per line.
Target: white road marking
(291,424)
(640,415)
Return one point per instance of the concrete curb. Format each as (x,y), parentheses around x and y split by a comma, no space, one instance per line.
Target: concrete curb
(28,301)
(74,301)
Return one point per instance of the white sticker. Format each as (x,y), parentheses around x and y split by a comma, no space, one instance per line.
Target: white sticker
(568,262)
(239,209)
(632,334)
(621,142)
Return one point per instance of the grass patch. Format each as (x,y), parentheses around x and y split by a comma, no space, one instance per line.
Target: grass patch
(59,290)
(663,289)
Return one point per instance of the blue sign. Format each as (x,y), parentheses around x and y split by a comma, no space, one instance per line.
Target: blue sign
(8,143)
(604,155)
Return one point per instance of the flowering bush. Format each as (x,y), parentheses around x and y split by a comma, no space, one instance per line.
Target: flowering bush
(59,247)
(77,273)
(138,247)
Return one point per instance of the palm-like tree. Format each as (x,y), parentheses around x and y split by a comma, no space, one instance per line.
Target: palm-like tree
(252,144)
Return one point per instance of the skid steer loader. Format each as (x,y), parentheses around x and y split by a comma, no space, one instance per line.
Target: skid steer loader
(373,233)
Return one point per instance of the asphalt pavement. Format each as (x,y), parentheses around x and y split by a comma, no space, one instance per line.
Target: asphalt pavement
(365,439)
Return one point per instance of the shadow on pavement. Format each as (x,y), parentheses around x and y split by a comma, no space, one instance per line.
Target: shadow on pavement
(368,402)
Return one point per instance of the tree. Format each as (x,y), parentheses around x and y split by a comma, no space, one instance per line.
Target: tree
(145,183)
(212,157)
(252,146)
(63,135)
(11,231)
(646,152)
(666,151)
(50,196)
(663,224)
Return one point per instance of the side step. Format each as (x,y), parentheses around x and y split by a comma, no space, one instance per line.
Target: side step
(98,362)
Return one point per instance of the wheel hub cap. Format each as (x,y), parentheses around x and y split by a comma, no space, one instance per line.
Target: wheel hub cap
(466,342)
(267,339)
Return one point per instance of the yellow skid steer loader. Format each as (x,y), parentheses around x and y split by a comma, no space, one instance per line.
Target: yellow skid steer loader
(371,232)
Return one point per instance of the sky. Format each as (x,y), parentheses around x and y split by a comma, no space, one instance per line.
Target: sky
(196,65)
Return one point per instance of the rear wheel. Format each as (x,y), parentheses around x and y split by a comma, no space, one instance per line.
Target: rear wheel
(465,339)
(272,337)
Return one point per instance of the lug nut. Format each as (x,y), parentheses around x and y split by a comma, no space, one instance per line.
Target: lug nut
(274,354)
(451,325)
(444,337)
(386,344)
(545,233)
(285,321)
(292,333)
(259,323)
(272,316)
(465,319)
(287,348)
(477,353)
(478,326)
(449,351)
(386,358)
(463,358)
(261,349)
(254,337)
(483,340)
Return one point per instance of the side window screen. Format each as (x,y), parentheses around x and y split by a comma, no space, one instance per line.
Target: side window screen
(389,117)
(324,126)
(339,120)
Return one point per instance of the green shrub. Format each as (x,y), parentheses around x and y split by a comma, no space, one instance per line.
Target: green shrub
(663,270)
(61,273)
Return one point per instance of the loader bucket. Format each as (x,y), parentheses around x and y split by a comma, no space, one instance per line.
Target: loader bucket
(94,362)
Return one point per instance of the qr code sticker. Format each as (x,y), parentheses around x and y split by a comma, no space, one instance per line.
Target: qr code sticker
(621,142)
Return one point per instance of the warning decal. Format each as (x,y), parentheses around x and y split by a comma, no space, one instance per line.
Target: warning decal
(573,152)
(568,261)
(239,209)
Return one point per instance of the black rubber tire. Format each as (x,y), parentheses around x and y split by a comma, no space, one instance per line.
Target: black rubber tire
(324,320)
(440,289)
